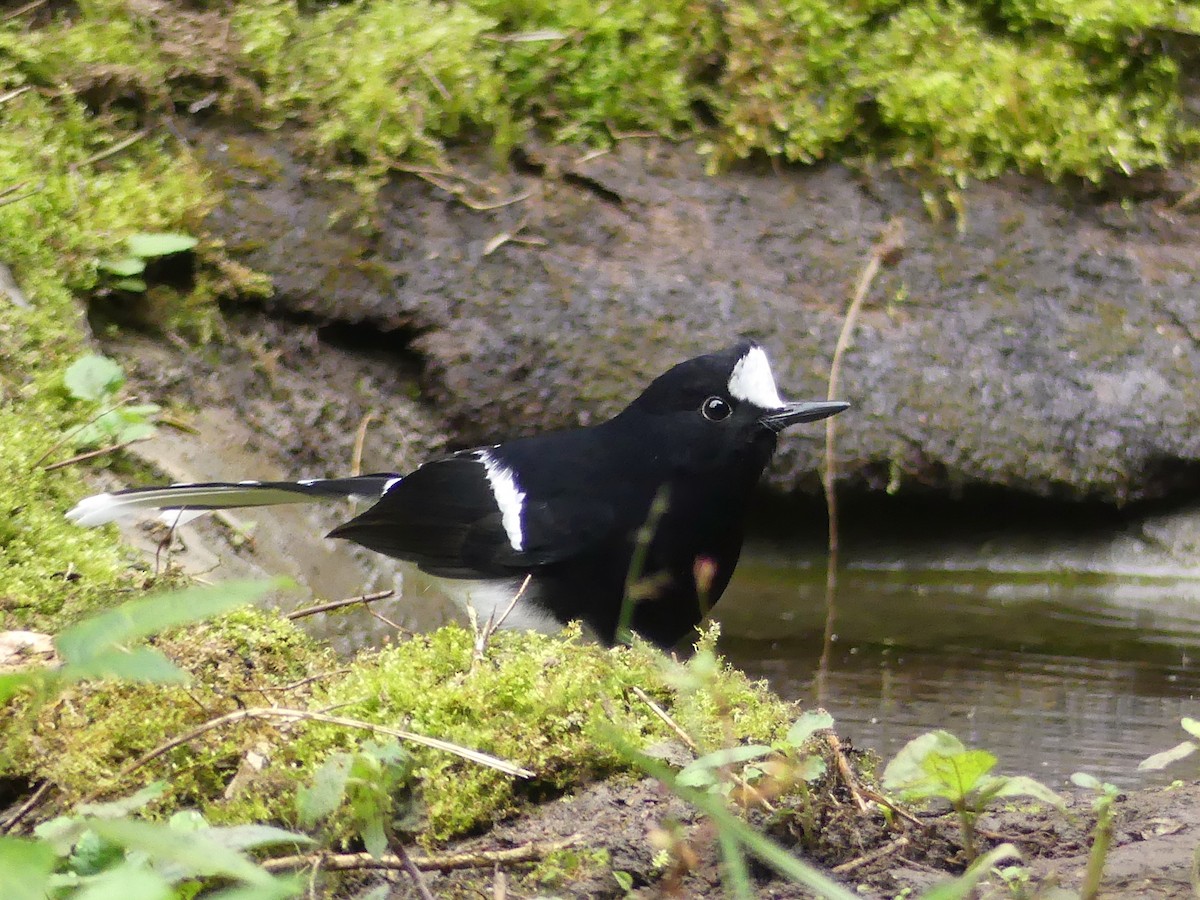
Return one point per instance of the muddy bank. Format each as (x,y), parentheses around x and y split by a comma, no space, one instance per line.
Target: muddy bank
(1045,340)
(1155,837)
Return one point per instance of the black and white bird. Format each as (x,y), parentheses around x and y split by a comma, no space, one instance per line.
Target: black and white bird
(565,507)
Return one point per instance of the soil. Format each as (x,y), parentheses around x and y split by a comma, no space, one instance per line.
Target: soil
(1155,840)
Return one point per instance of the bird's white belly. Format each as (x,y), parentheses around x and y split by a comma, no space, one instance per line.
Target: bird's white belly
(491,597)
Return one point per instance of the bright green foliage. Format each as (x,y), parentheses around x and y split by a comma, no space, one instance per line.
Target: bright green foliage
(786,86)
(932,83)
(539,701)
(372,784)
(1044,86)
(1179,751)
(590,70)
(97,380)
(380,81)
(81,743)
(970,102)
(1113,25)
(937,765)
(102,851)
(1102,834)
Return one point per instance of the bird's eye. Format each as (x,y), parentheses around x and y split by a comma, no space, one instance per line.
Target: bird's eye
(715,409)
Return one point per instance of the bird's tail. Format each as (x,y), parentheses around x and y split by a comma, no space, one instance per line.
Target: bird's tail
(108,507)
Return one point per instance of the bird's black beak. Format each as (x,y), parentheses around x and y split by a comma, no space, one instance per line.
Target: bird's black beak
(807,411)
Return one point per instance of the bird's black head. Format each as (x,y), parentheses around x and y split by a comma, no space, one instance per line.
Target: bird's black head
(723,405)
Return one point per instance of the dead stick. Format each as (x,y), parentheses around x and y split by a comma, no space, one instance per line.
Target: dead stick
(360,438)
(889,244)
(343,862)
(84,457)
(27,807)
(844,770)
(903,813)
(874,856)
(338,604)
(116,148)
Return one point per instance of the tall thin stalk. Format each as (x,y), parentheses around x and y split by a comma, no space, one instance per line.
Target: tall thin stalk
(887,249)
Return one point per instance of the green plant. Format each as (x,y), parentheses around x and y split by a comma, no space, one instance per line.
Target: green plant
(1176,753)
(937,765)
(1106,795)
(102,847)
(103,646)
(372,786)
(99,850)
(139,250)
(98,380)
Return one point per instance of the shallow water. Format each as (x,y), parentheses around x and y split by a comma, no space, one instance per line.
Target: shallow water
(1052,671)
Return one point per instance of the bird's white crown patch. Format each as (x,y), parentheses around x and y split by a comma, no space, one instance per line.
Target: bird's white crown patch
(752,382)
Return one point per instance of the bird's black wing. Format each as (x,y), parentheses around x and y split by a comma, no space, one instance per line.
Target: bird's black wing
(446,517)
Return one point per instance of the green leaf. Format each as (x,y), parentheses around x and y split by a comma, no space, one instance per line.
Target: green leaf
(116,809)
(133,285)
(374,837)
(143,664)
(193,853)
(810,768)
(277,888)
(93,377)
(623,879)
(251,837)
(12,683)
(699,771)
(807,725)
(327,791)
(1191,726)
(964,885)
(126,882)
(26,866)
(906,773)
(187,820)
(93,855)
(1024,786)
(124,266)
(93,638)
(1086,780)
(151,244)
(1166,757)
(959,773)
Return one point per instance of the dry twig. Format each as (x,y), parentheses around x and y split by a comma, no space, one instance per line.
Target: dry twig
(449,862)
(338,604)
(844,770)
(360,438)
(875,855)
(483,635)
(27,807)
(887,248)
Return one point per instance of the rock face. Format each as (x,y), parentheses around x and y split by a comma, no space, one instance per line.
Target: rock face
(1043,341)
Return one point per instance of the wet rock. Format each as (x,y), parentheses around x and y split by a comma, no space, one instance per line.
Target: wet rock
(1047,341)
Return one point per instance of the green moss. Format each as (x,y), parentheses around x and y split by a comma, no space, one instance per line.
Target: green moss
(543,702)
(934,86)
(83,738)
(380,81)
(1045,86)
(64,209)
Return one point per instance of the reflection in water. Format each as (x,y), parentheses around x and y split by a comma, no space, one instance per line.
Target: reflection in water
(1051,673)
